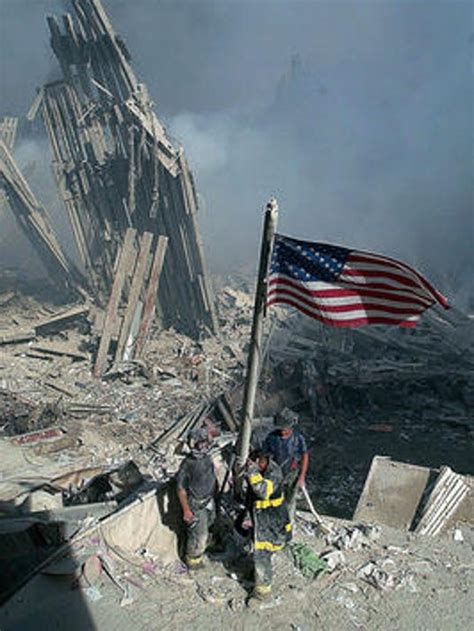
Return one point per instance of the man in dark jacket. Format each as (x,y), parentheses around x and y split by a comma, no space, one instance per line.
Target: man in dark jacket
(287,447)
(197,486)
(271,525)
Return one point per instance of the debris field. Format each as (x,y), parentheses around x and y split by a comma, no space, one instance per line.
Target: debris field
(106,368)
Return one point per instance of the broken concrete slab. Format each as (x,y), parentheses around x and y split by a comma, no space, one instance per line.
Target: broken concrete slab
(391,493)
(77,513)
(17,336)
(39,500)
(71,516)
(152,519)
(46,441)
(395,494)
(60,350)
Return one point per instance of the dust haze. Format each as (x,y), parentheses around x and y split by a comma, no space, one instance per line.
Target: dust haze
(357,116)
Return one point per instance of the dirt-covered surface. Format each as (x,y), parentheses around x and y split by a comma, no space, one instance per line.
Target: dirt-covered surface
(361,399)
(428,585)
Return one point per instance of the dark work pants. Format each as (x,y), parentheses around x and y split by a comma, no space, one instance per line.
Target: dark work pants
(263,568)
(198,532)
(290,490)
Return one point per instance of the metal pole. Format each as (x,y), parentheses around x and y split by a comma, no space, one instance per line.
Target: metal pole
(253,362)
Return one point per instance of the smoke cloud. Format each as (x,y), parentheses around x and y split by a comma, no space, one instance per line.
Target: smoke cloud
(357,116)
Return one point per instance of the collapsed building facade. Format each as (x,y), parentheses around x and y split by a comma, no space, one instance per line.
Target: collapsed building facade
(115,170)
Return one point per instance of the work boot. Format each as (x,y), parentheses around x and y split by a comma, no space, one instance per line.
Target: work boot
(262,592)
(195,563)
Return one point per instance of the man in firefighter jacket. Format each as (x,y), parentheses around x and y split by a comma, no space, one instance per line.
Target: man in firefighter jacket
(271,524)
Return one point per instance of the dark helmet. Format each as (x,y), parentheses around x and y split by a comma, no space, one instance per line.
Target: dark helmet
(196,436)
(285,418)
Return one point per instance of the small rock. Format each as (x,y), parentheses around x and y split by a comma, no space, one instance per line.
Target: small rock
(348,603)
(458,536)
(351,587)
(334,559)
(269,604)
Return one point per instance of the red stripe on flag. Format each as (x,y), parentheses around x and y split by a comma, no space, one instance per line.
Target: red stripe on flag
(379,274)
(355,306)
(366,257)
(344,291)
(344,323)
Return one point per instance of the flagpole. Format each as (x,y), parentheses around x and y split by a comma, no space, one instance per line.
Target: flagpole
(254,356)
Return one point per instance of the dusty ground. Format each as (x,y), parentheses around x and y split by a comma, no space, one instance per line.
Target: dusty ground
(433,587)
(432,578)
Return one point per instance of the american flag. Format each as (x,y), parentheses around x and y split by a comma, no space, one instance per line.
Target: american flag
(344,287)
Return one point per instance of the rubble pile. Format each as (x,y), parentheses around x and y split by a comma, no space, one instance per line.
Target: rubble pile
(375,390)
(364,368)
(54,368)
(346,385)
(85,506)
(70,440)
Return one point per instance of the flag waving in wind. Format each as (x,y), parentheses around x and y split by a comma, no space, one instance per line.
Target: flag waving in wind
(344,287)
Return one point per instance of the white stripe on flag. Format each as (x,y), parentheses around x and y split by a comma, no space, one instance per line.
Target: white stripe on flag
(344,300)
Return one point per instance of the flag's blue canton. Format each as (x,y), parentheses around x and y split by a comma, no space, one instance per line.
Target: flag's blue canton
(305,261)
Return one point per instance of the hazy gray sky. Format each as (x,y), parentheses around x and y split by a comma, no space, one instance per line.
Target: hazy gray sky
(368,144)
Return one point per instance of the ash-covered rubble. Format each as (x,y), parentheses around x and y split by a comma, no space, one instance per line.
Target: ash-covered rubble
(75,447)
(55,367)
(126,357)
(407,394)
(382,392)
(127,434)
(100,386)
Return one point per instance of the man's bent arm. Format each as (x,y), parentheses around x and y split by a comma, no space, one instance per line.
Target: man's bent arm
(183,500)
(303,468)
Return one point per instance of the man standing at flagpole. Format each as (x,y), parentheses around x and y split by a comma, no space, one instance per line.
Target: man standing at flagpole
(197,486)
(287,447)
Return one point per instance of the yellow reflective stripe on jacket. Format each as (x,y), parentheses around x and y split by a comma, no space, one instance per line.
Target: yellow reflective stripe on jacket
(269,491)
(278,501)
(267,545)
(257,478)
(289,527)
